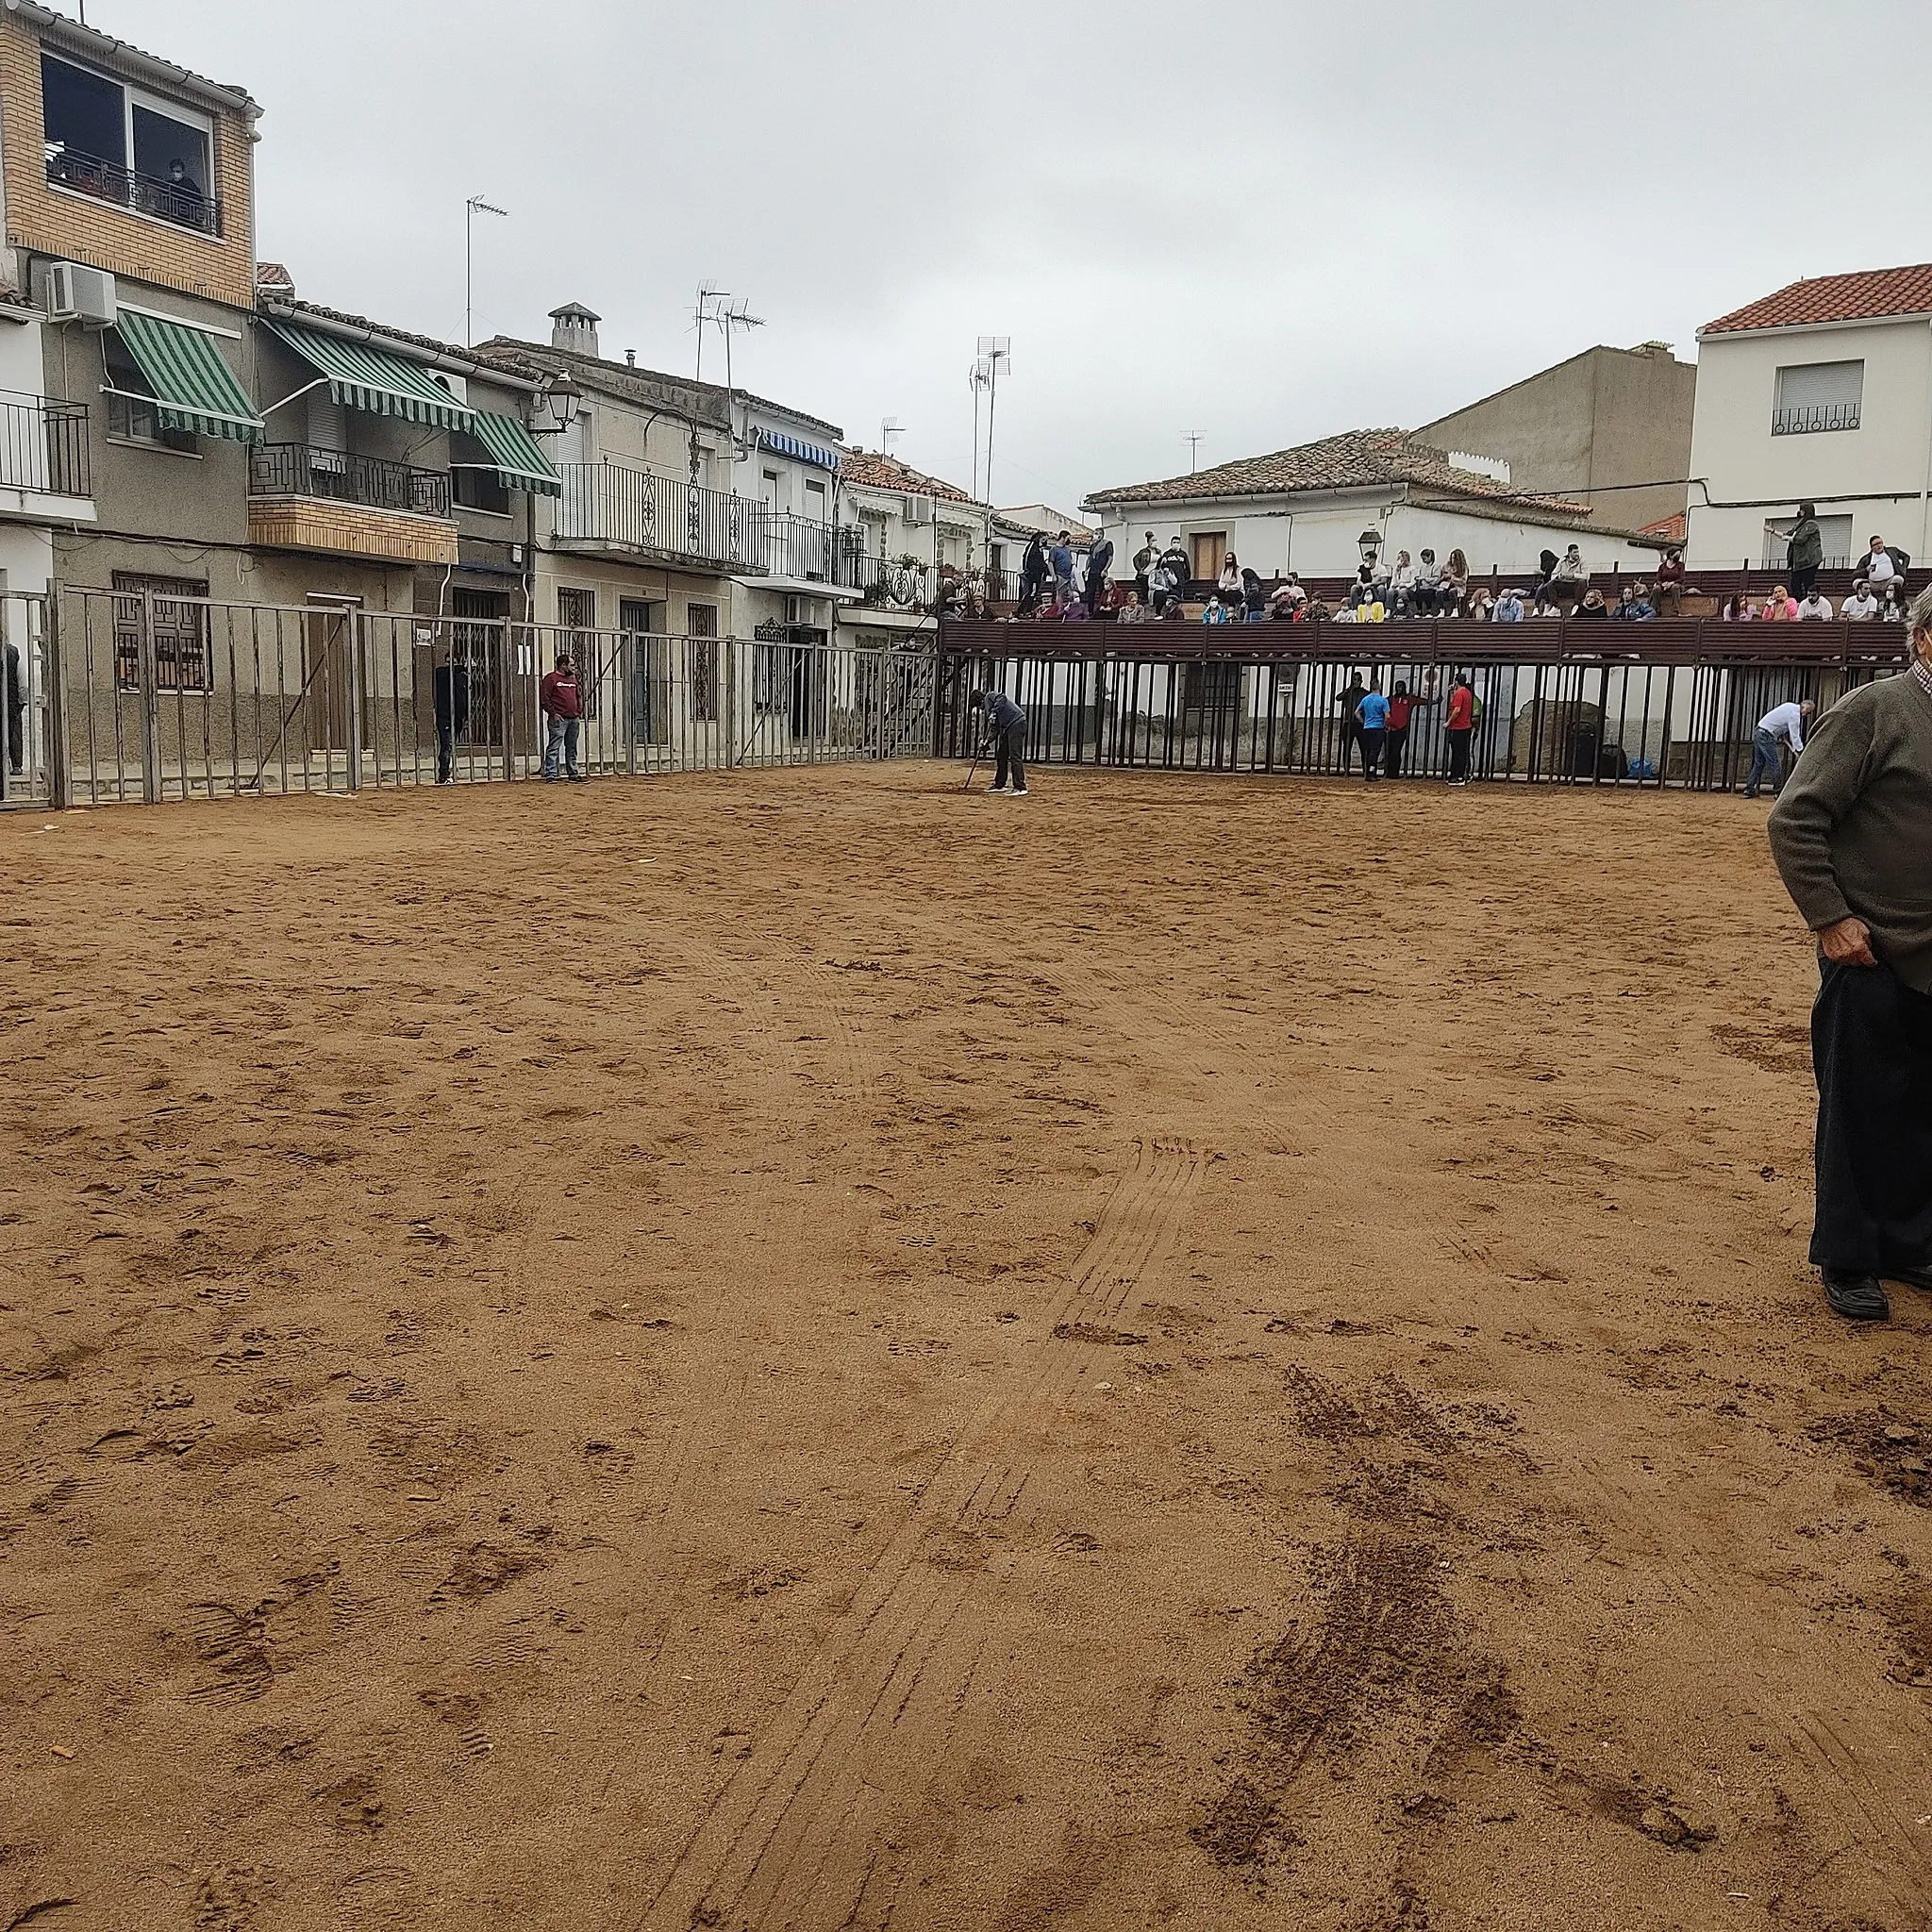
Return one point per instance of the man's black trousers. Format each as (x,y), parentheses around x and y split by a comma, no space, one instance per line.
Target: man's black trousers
(1871,1050)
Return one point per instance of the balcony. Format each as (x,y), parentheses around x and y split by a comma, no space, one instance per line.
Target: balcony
(615,507)
(185,205)
(306,498)
(44,447)
(1810,419)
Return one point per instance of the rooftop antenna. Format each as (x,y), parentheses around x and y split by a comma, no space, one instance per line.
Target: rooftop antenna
(891,427)
(730,319)
(980,377)
(701,314)
(992,351)
(472,207)
(1193,440)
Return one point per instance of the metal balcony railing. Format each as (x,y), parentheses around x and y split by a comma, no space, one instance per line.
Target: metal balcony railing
(184,205)
(1807,418)
(298,469)
(43,446)
(628,508)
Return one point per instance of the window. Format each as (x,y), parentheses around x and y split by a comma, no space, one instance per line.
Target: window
(576,619)
(815,500)
(126,145)
(701,622)
(1813,396)
(179,634)
(1833,532)
(473,482)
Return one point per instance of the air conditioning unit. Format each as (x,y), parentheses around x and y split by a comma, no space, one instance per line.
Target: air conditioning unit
(78,293)
(459,386)
(919,510)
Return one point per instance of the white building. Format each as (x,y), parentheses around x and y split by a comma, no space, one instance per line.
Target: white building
(900,533)
(1821,393)
(1308,509)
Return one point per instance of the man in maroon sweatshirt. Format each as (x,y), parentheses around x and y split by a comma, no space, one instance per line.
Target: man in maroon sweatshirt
(562,704)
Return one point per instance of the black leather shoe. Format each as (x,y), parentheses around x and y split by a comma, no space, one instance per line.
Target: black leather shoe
(1911,1278)
(1857,1297)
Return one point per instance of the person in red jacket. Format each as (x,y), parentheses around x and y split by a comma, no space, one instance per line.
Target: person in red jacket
(562,704)
(1459,724)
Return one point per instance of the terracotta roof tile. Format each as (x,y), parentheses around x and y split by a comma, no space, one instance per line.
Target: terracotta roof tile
(1357,458)
(1866,296)
(875,471)
(1670,529)
(276,304)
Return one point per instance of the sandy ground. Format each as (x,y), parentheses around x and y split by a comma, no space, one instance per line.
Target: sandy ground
(802,1350)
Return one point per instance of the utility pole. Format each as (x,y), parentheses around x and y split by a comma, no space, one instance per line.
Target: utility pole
(1193,440)
(993,350)
(472,207)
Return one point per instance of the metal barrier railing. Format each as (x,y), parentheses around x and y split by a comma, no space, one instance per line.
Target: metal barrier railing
(145,696)
(1676,717)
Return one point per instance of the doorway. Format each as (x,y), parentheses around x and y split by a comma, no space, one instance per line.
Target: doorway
(1207,548)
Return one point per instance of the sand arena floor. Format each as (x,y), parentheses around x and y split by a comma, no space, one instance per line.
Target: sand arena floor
(801,1350)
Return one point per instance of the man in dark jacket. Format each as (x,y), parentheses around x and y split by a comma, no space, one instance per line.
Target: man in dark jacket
(1805,552)
(1851,834)
(451,703)
(1099,561)
(1005,724)
(1032,576)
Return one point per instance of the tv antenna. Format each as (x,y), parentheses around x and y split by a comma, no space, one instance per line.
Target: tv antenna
(701,315)
(1193,440)
(991,351)
(889,428)
(472,207)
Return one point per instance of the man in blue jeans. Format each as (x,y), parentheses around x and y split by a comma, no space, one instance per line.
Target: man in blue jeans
(1785,721)
(562,706)
(1005,724)
(1372,714)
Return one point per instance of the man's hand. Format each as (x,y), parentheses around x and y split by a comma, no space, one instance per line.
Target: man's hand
(1847,944)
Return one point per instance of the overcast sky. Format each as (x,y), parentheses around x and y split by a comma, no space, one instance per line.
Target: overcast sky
(1261,220)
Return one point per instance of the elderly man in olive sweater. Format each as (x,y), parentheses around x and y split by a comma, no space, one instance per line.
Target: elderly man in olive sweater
(1851,834)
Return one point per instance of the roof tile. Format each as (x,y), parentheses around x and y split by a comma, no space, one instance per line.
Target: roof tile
(1866,296)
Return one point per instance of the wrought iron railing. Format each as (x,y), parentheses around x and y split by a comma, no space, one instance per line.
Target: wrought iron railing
(627,509)
(1807,418)
(299,469)
(884,582)
(43,446)
(181,203)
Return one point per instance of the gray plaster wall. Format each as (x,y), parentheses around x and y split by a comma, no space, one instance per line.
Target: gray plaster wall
(1605,418)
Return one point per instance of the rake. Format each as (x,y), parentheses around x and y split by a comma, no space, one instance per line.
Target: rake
(978,758)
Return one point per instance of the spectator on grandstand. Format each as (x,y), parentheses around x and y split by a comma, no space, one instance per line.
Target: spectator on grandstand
(1861,607)
(1254,596)
(1452,586)
(1062,558)
(1160,587)
(975,611)
(1099,561)
(1481,605)
(1032,576)
(1564,577)
(1509,606)
(1428,576)
(1784,723)
(561,704)
(1882,564)
(1215,612)
(1173,559)
(1891,607)
(1816,609)
(1075,610)
(1144,560)
(1372,713)
(1633,607)
(1361,590)
(1382,575)
(1780,606)
(1229,583)
(1287,598)
(1132,611)
(1805,551)
(1402,585)
(1458,726)
(1591,604)
(1668,594)
(1738,608)
(1850,837)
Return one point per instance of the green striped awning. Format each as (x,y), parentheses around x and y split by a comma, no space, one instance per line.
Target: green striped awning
(196,389)
(360,378)
(519,460)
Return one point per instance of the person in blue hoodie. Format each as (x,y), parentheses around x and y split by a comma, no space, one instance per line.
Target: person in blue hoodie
(1062,558)
(1372,713)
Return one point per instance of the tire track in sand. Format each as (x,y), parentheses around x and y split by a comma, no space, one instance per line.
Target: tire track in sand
(794,1839)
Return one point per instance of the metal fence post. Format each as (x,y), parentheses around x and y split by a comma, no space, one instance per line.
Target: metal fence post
(352,678)
(149,699)
(53,676)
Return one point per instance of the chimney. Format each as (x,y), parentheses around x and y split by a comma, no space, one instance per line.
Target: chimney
(630,359)
(575,328)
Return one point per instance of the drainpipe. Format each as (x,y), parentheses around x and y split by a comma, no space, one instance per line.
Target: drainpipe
(1926,493)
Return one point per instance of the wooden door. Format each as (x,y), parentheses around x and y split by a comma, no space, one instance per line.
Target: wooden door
(1207,548)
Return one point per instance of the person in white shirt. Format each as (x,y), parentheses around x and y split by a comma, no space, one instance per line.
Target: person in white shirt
(1785,721)
(1861,607)
(1815,609)
(1402,584)
(1879,568)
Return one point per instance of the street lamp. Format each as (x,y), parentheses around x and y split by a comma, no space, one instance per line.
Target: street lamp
(555,406)
(1370,543)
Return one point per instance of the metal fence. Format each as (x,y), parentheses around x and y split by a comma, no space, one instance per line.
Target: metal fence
(1676,707)
(134,695)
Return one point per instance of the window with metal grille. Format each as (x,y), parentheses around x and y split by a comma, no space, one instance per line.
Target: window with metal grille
(576,632)
(180,631)
(701,622)
(1814,396)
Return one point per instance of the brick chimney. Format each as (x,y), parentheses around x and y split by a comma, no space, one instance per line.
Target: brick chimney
(575,328)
